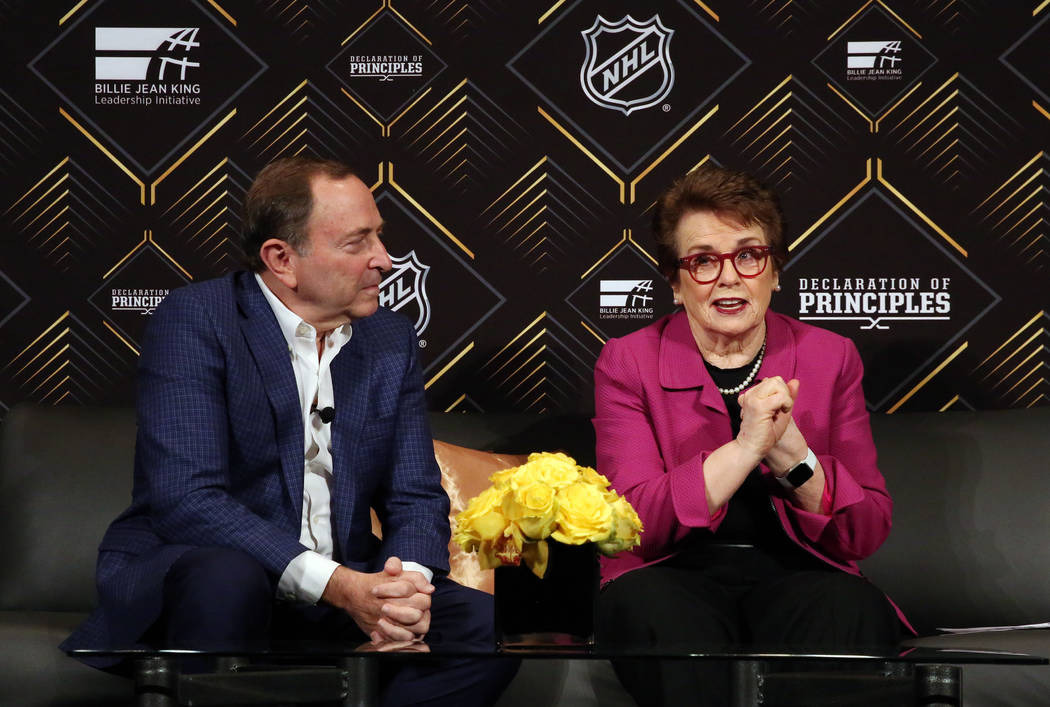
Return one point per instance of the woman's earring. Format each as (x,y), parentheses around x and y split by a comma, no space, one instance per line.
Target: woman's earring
(777,288)
(677,301)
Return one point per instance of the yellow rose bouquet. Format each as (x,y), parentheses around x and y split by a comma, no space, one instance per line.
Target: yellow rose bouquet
(549,496)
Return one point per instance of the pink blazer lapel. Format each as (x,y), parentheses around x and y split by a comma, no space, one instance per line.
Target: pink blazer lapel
(681,365)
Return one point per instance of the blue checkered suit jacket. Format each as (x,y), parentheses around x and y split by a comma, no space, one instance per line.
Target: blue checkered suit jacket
(219,454)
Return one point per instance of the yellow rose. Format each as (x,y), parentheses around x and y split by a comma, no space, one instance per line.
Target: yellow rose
(524,475)
(554,469)
(467,533)
(532,508)
(500,478)
(626,527)
(554,456)
(593,477)
(583,515)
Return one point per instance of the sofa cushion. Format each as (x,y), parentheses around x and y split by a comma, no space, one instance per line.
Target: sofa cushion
(971,499)
(65,473)
(465,473)
(35,673)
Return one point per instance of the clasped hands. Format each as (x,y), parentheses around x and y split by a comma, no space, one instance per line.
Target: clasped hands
(767,428)
(391,607)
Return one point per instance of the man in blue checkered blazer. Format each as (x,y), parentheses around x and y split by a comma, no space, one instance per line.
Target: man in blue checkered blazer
(275,408)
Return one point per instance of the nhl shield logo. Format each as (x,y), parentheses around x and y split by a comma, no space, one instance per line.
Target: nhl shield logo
(406,286)
(628,64)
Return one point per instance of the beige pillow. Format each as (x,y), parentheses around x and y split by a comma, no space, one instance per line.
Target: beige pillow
(464,474)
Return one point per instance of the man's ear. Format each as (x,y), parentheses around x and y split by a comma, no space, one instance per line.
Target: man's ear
(280,259)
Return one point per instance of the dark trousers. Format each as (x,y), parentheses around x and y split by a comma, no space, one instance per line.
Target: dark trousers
(217,595)
(734,599)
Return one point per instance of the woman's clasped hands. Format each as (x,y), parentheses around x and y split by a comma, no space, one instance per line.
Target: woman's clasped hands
(766,424)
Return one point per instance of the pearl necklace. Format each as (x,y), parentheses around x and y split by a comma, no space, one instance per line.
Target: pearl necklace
(750,376)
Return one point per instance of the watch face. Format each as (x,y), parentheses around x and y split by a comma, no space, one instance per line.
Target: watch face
(799,475)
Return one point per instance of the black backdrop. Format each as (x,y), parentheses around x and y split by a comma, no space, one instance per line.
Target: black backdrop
(515,149)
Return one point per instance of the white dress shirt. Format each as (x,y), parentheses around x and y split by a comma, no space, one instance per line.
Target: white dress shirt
(307,575)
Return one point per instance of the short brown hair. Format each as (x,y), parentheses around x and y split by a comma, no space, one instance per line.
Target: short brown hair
(279,202)
(734,195)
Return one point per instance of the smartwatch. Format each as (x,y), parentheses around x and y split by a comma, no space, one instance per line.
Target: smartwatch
(800,473)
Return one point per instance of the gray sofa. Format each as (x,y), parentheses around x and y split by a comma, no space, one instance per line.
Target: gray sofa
(969,545)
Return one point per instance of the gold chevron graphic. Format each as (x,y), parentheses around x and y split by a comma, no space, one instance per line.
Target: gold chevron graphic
(550,12)
(456,402)
(669,150)
(709,11)
(386,127)
(127,171)
(448,365)
(1020,364)
(520,375)
(292,124)
(280,103)
(848,102)
(364,24)
(778,135)
(1015,175)
(517,336)
(873,125)
(386,5)
(228,16)
(816,224)
(904,200)
(31,189)
(593,333)
(928,378)
(579,146)
(530,372)
(1029,323)
(47,367)
(1014,211)
(147,239)
(627,238)
(509,189)
(117,334)
(185,155)
(379,179)
(612,175)
(72,12)
(186,194)
(208,209)
(884,7)
(532,218)
(422,210)
(55,216)
(107,153)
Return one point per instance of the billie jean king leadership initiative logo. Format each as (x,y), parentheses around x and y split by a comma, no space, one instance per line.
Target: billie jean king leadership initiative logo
(146,66)
(626,299)
(874,300)
(628,63)
(406,286)
(873,61)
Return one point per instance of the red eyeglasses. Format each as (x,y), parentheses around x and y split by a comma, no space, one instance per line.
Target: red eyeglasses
(749,261)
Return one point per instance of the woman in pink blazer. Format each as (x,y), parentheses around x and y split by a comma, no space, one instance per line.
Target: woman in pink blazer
(741,438)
